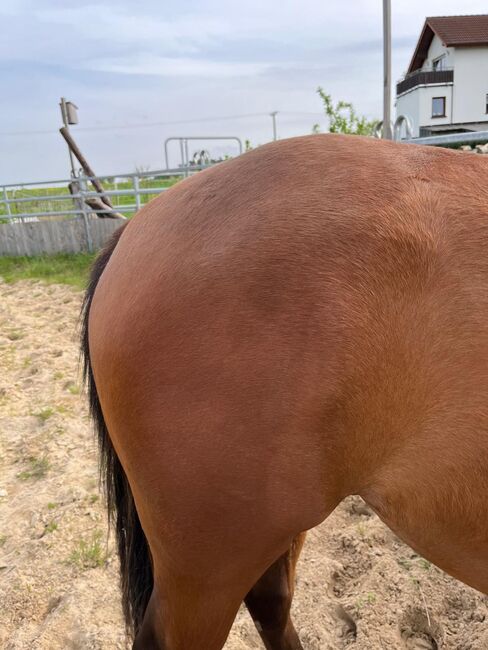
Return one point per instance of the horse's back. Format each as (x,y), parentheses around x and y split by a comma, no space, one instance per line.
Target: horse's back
(299,324)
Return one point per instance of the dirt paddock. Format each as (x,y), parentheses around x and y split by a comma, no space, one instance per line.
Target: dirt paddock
(358,585)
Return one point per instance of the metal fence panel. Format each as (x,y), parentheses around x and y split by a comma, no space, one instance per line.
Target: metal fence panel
(452,139)
(48,199)
(44,217)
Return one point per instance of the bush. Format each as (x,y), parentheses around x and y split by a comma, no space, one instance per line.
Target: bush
(343,118)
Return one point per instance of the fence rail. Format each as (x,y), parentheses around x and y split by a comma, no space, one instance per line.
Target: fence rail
(452,139)
(58,201)
(45,217)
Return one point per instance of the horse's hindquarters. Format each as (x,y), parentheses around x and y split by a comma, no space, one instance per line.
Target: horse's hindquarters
(272,335)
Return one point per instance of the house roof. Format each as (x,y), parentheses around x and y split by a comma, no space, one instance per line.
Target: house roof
(454,31)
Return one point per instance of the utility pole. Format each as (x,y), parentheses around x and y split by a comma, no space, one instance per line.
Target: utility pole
(387,134)
(69,116)
(273,117)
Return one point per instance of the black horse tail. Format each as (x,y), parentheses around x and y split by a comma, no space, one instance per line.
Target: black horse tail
(133,550)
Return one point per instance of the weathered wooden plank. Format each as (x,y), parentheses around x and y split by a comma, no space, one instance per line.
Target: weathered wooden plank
(50,237)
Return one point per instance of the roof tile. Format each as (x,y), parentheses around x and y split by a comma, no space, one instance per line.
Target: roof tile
(460,30)
(454,31)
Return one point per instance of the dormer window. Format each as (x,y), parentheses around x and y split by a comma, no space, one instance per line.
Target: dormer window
(439,63)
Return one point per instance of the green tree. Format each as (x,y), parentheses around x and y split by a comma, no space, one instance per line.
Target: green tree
(343,118)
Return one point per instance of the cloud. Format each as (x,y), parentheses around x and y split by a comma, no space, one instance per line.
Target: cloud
(121,25)
(149,64)
(124,63)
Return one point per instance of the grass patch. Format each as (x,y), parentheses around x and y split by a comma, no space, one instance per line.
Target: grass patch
(52,269)
(405,564)
(38,468)
(52,506)
(51,527)
(361,530)
(15,335)
(45,414)
(425,564)
(72,388)
(63,409)
(89,554)
(3,539)
(33,206)
(370,599)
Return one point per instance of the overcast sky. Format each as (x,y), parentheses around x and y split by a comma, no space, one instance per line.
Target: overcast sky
(206,67)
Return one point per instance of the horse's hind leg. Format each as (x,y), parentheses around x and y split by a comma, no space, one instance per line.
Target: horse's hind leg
(195,609)
(147,636)
(186,613)
(269,601)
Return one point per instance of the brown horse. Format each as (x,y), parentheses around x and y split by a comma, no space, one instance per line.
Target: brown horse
(305,322)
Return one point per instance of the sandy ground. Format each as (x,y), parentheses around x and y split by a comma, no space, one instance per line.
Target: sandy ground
(358,585)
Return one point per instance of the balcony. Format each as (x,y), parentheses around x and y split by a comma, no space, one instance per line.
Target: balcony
(425,78)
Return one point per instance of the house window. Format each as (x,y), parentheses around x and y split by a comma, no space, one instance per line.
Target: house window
(439,64)
(438,107)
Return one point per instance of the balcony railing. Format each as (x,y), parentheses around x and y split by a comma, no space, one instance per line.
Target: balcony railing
(425,78)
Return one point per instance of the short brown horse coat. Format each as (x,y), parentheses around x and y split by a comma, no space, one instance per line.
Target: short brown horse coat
(304,322)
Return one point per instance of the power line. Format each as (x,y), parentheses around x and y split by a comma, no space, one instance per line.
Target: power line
(139,125)
(314,113)
(13,133)
(169,123)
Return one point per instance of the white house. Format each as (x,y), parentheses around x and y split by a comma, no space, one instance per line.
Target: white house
(446,86)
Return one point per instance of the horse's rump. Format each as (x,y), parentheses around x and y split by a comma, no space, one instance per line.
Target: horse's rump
(302,323)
